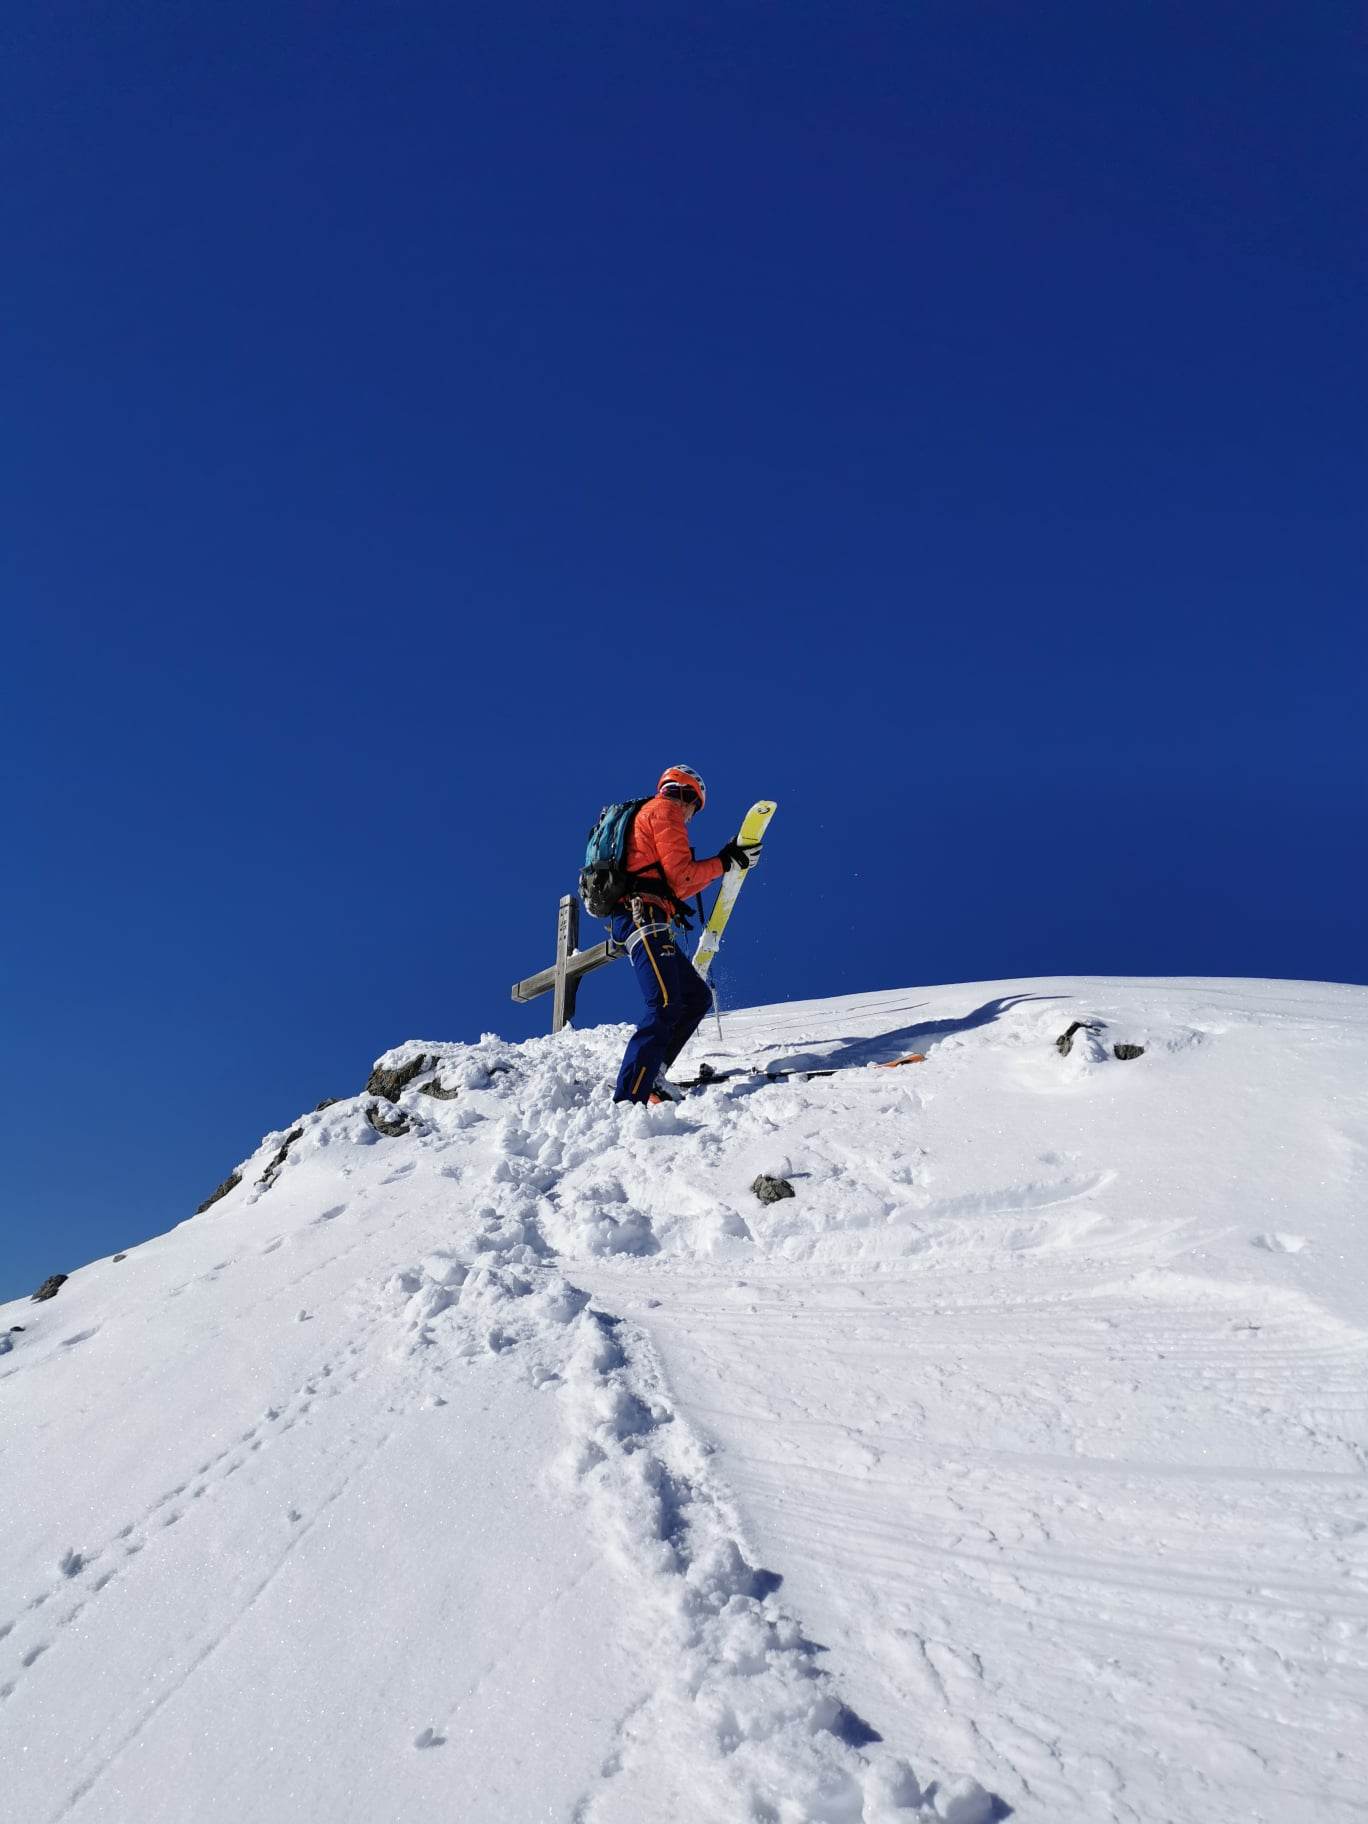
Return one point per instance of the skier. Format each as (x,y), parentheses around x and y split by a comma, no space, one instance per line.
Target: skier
(644,925)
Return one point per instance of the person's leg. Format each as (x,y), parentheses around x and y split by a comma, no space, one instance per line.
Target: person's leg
(694,999)
(646,1048)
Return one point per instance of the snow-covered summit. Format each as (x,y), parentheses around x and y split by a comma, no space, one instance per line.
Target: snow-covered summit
(494,1453)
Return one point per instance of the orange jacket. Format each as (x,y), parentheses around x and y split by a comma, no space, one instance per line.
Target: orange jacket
(659,834)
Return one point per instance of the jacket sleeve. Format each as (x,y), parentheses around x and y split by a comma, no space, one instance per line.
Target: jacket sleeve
(685,875)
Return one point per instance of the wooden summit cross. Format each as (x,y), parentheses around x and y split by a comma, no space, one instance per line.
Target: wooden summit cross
(572,964)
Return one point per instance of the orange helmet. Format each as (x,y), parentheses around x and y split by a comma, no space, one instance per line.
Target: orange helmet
(686,782)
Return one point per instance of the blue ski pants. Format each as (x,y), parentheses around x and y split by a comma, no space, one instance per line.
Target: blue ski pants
(676,999)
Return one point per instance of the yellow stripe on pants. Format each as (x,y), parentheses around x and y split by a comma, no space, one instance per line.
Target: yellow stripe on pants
(646,946)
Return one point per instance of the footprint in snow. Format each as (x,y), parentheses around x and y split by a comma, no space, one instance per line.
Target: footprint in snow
(331,1214)
(429,1738)
(72,1563)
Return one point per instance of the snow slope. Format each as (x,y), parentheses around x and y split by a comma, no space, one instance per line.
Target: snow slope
(523,1465)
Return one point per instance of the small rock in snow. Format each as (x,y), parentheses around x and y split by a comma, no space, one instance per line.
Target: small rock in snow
(771,1190)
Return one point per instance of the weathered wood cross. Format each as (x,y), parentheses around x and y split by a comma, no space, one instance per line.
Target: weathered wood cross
(572,964)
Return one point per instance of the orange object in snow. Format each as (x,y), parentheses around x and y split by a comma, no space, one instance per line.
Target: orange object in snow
(913,1057)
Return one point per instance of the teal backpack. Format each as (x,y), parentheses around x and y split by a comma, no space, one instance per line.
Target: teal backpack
(604,880)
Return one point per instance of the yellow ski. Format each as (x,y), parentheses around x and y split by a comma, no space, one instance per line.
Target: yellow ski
(753,827)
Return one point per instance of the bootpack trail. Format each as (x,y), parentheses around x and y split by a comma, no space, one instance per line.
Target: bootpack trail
(491,1451)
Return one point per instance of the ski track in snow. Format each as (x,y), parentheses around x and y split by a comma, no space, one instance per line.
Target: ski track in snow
(1025,1445)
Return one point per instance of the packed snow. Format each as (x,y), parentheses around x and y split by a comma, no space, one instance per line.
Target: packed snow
(497,1454)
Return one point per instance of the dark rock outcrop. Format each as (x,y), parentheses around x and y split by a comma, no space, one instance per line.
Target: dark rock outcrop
(230,1183)
(50,1287)
(1064,1043)
(772,1190)
(121,1257)
(435,1089)
(389,1127)
(1128,1051)
(392,1083)
(327,1102)
(272,1172)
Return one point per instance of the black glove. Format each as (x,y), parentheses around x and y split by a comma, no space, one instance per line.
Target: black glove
(733,855)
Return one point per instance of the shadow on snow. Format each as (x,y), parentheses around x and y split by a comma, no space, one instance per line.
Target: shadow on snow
(884,1047)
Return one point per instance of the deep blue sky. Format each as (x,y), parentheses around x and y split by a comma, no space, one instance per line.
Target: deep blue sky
(424,422)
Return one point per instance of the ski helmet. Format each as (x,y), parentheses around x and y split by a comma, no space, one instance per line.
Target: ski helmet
(686,783)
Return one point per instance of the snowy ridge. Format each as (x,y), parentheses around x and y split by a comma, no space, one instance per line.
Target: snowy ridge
(498,1449)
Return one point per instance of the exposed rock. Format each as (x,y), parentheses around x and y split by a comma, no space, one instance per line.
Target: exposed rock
(391,1083)
(121,1257)
(772,1190)
(327,1102)
(1064,1043)
(50,1287)
(272,1172)
(229,1184)
(389,1127)
(1128,1051)
(435,1089)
